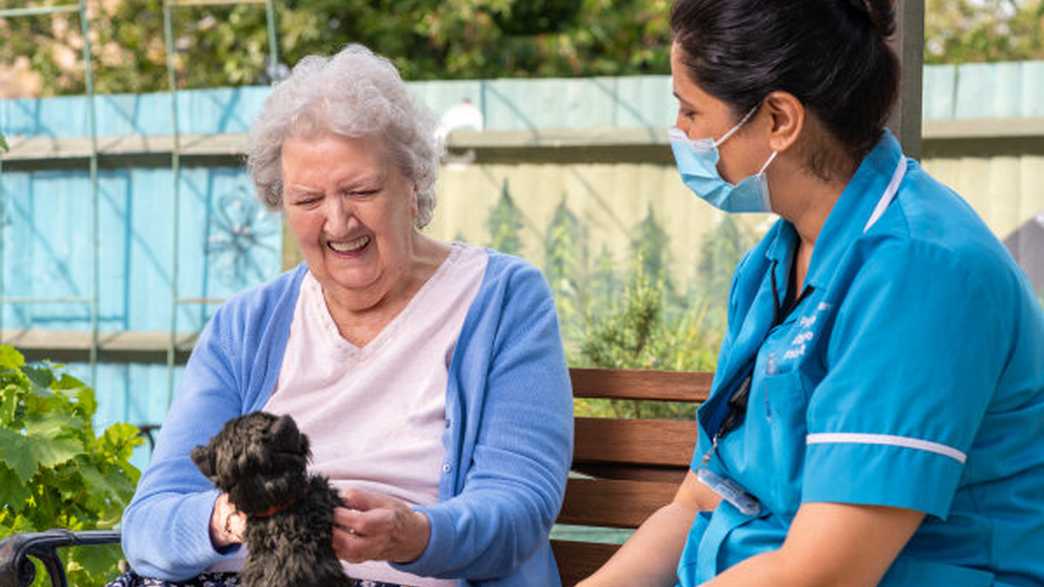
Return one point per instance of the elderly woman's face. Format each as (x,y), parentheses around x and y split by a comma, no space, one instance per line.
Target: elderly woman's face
(352,212)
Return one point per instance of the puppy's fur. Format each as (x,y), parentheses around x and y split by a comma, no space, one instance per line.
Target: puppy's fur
(260,461)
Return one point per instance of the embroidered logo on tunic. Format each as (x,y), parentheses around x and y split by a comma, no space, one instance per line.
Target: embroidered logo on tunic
(800,343)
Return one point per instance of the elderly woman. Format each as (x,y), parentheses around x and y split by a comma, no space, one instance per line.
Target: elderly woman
(429,376)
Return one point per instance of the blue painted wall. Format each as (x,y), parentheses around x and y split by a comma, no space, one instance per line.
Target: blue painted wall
(228,242)
(977,90)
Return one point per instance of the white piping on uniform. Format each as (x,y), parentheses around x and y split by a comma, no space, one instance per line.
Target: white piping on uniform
(889,194)
(887,439)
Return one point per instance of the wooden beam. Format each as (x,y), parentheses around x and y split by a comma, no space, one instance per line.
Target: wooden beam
(640,384)
(906,120)
(595,145)
(120,151)
(558,146)
(72,346)
(984,128)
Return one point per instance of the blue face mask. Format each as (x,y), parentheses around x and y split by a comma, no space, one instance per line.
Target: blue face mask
(697,161)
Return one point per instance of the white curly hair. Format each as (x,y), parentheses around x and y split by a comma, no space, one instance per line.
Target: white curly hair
(354,93)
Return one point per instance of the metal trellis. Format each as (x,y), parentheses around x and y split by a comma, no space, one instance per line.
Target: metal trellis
(92,301)
(175,160)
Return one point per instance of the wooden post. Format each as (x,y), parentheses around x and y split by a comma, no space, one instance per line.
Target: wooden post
(908,42)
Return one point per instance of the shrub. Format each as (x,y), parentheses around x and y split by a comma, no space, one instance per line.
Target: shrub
(635,333)
(54,471)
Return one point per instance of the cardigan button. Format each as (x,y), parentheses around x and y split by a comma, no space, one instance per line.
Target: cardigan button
(446,468)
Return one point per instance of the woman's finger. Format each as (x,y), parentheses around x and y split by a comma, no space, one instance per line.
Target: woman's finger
(347,518)
(351,547)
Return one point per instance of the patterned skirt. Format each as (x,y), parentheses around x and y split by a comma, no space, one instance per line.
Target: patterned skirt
(132,579)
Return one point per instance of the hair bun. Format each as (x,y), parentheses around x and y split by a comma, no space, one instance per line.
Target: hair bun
(880,13)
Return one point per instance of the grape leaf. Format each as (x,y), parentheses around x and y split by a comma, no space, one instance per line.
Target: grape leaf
(49,452)
(10,358)
(12,490)
(16,454)
(53,425)
(8,404)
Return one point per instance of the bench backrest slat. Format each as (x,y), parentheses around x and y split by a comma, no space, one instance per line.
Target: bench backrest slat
(614,504)
(583,559)
(634,442)
(673,386)
(629,468)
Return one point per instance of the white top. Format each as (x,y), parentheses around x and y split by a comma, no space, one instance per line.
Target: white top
(375,415)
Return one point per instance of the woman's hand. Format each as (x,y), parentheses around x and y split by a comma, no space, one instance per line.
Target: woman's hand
(650,557)
(227,524)
(378,527)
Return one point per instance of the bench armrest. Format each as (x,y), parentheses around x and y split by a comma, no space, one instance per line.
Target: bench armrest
(17,570)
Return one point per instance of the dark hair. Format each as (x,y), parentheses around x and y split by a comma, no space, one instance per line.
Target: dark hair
(832,55)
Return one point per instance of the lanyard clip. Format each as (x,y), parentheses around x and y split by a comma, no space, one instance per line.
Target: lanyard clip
(730,491)
(714,446)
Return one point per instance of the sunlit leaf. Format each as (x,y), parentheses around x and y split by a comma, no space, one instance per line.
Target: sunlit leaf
(13,491)
(10,358)
(49,452)
(15,452)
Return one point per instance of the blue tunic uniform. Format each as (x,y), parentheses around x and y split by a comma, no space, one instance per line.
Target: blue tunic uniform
(909,374)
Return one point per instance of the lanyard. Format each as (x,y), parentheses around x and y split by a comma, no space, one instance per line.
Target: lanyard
(739,399)
(737,405)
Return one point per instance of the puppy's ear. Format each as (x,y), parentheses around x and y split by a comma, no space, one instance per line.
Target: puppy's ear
(204,460)
(285,433)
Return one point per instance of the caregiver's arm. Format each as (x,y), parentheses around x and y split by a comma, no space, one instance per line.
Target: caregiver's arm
(830,544)
(651,555)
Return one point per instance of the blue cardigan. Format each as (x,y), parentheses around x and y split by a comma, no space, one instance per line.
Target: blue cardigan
(508,437)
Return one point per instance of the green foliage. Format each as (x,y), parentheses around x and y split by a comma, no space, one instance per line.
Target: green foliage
(54,471)
(720,251)
(635,321)
(636,334)
(431,39)
(536,16)
(974,31)
(605,284)
(565,266)
(504,224)
(649,243)
(3,144)
(427,39)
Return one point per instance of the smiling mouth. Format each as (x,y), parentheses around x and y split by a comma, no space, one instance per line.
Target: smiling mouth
(352,246)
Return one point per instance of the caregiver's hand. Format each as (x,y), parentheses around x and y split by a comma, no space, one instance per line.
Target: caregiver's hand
(378,527)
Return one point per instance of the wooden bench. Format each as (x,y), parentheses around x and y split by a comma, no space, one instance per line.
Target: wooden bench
(624,470)
(629,467)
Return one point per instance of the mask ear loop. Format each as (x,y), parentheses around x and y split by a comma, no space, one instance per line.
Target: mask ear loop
(769,162)
(738,126)
(764,180)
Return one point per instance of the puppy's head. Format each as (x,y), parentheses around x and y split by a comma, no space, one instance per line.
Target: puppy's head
(259,459)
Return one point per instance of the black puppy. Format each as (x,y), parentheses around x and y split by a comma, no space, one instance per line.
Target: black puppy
(260,461)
